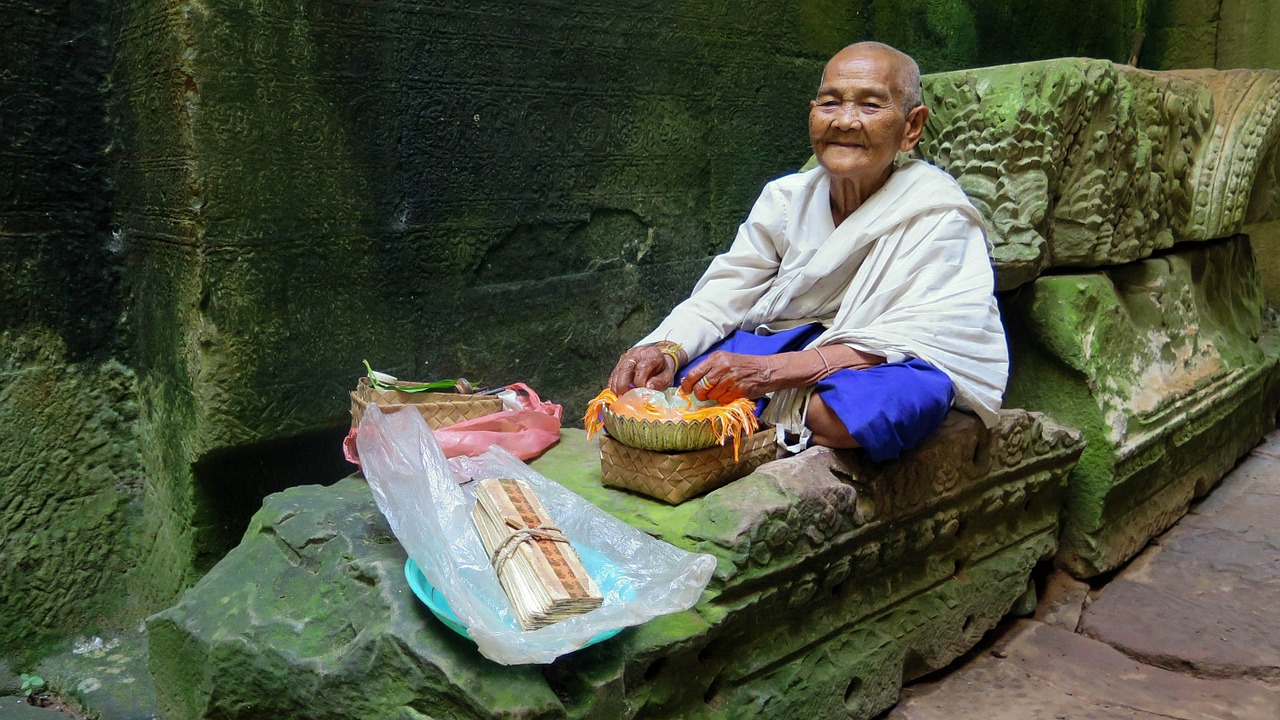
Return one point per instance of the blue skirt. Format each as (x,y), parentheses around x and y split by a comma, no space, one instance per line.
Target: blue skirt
(887,408)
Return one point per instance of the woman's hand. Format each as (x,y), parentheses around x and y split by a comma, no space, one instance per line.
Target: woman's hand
(652,366)
(726,376)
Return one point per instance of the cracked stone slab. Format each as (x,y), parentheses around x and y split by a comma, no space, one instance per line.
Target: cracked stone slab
(1040,672)
(1063,601)
(1203,597)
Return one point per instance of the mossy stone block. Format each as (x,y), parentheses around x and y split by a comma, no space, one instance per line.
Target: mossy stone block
(1167,368)
(1079,162)
(836,579)
(69,485)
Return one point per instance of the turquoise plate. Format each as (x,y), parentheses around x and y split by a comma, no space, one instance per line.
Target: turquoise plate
(598,566)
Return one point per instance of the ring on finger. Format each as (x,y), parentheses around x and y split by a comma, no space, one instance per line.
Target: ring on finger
(706,382)
(629,360)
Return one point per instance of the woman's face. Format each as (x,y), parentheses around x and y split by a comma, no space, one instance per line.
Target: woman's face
(857,123)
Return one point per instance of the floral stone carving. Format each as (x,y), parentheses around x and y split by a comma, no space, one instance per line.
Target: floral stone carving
(837,578)
(1167,368)
(1084,163)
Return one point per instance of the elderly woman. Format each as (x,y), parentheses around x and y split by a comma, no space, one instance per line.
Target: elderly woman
(856,300)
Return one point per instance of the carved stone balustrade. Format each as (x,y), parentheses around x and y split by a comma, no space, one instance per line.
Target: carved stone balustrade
(1085,163)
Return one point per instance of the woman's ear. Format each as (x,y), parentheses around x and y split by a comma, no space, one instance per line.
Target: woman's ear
(915,127)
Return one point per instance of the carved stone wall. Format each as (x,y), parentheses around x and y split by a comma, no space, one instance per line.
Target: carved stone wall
(1085,163)
(1166,366)
(836,580)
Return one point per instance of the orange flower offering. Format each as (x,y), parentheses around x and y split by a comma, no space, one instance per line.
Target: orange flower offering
(670,420)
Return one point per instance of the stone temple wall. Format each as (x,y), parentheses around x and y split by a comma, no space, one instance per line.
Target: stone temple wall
(1222,34)
(211,212)
(71,475)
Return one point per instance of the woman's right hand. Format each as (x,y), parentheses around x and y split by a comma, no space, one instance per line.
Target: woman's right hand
(645,366)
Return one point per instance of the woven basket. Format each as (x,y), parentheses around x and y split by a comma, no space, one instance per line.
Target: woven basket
(676,477)
(660,435)
(438,409)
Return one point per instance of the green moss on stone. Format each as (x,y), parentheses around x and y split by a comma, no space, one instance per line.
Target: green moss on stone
(1158,363)
(71,482)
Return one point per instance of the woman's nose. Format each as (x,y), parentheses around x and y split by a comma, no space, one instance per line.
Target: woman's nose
(847,117)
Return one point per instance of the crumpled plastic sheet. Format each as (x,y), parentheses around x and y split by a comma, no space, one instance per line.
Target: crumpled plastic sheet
(418,491)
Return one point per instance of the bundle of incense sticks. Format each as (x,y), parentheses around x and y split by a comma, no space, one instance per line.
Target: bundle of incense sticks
(537,567)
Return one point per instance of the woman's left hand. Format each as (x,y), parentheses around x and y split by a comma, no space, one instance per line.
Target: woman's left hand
(725,376)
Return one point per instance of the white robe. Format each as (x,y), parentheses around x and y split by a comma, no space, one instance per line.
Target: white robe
(906,275)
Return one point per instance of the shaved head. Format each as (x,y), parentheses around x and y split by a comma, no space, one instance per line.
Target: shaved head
(905,69)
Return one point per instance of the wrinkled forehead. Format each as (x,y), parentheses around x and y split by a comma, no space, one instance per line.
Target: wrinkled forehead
(862,66)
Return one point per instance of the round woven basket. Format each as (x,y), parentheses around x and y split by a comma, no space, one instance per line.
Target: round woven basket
(660,435)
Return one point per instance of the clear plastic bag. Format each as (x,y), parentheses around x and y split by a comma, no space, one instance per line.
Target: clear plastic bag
(418,491)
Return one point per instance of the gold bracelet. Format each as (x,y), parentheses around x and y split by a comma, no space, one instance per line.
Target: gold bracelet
(667,347)
(825,365)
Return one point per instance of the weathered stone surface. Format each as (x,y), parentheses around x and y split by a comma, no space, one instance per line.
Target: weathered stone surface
(1165,366)
(835,579)
(60,267)
(1233,179)
(1063,601)
(1265,239)
(1083,163)
(1182,34)
(69,521)
(1248,34)
(107,675)
(1202,598)
(1038,671)
(17,708)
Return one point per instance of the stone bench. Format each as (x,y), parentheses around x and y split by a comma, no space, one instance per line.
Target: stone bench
(836,579)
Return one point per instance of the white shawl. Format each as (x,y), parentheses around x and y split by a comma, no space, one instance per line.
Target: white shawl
(906,275)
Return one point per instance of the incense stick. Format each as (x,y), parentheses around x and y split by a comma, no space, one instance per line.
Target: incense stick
(538,568)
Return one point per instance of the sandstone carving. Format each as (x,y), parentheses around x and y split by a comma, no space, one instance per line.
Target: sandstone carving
(837,578)
(1166,367)
(1235,180)
(1084,163)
